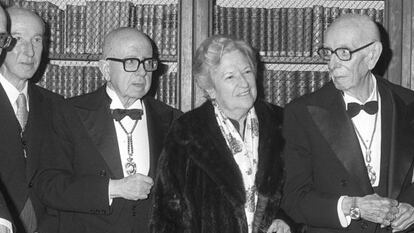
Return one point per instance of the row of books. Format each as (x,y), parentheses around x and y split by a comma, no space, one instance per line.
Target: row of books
(80,29)
(283,32)
(70,81)
(281,86)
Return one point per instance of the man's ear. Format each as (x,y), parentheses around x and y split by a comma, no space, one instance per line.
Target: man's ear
(104,68)
(374,54)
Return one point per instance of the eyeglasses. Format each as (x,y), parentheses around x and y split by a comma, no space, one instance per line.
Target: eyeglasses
(5,40)
(344,54)
(132,64)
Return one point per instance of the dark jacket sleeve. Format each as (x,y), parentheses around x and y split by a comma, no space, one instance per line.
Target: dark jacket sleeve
(57,183)
(300,199)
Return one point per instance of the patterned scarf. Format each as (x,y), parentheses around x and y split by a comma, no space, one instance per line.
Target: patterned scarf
(245,153)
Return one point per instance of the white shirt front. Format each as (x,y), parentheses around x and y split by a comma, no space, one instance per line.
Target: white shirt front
(140,141)
(365,124)
(12,92)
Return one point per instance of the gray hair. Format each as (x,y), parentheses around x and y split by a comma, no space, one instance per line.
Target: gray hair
(209,53)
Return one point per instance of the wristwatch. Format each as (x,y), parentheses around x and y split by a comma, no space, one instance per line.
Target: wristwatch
(354,211)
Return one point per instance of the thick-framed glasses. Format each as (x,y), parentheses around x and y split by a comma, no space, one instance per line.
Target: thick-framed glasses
(132,64)
(344,54)
(5,40)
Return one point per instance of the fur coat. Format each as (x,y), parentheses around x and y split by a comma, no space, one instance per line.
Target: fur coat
(199,187)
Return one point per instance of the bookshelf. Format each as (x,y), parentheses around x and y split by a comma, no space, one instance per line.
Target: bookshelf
(286,34)
(289,68)
(76,29)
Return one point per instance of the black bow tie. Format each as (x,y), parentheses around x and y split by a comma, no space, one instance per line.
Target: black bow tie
(134,114)
(370,107)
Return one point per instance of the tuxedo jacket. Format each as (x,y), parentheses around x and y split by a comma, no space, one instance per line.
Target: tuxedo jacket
(16,171)
(324,159)
(75,180)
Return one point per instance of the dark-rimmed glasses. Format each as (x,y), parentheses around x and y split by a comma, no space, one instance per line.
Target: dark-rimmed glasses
(5,40)
(132,64)
(344,54)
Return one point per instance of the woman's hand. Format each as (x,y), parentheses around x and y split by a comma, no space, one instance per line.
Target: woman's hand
(278,226)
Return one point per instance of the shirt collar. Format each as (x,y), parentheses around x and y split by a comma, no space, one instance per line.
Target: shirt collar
(116,102)
(12,92)
(372,96)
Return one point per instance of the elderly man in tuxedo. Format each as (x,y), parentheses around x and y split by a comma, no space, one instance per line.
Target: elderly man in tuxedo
(25,116)
(349,150)
(101,180)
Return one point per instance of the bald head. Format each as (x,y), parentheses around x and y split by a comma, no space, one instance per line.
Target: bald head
(117,39)
(18,15)
(360,25)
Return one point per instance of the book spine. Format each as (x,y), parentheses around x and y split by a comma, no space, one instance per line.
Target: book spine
(139,17)
(158,27)
(216,19)
(174,28)
(247,25)
(277,29)
(255,28)
(81,25)
(166,30)
(125,14)
(269,33)
(317,29)
(300,38)
(238,17)
(262,31)
(284,34)
(307,32)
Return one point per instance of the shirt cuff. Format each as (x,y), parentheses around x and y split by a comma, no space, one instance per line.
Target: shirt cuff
(7,224)
(345,220)
(109,194)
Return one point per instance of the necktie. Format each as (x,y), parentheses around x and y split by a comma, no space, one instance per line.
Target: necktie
(27,215)
(134,114)
(370,107)
(21,112)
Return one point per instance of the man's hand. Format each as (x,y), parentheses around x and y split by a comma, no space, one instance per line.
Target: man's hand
(377,209)
(135,187)
(278,226)
(404,218)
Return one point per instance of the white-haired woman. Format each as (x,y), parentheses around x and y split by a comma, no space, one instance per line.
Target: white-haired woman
(221,170)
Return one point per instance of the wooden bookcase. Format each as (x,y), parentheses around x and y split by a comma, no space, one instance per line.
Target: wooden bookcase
(195,22)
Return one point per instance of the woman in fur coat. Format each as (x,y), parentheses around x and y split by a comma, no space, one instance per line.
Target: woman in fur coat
(221,171)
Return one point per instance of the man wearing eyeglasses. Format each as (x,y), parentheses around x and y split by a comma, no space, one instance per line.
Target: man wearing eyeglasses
(349,150)
(25,115)
(111,146)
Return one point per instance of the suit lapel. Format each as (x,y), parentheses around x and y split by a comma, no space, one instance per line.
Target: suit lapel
(155,124)
(97,119)
(36,128)
(337,129)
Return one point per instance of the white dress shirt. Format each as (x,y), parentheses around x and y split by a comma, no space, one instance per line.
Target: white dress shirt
(140,140)
(365,124)
(12,93)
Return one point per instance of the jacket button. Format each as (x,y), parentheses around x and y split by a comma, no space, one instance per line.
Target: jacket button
(344,183)
(102,173)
